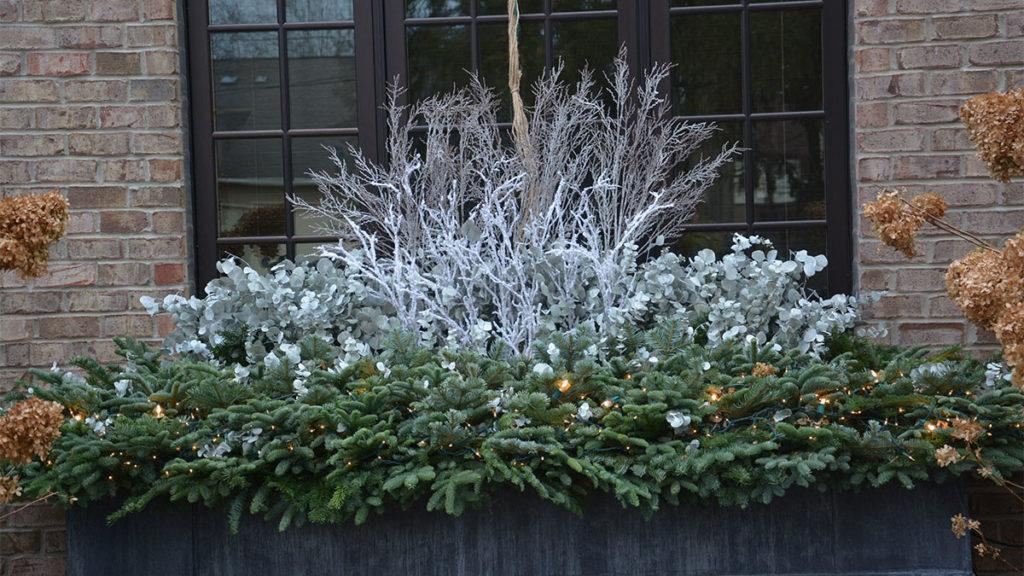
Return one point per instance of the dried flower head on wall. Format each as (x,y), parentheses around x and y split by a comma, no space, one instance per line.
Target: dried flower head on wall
(28,226)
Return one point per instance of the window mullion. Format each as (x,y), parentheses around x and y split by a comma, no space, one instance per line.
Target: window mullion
(748,130)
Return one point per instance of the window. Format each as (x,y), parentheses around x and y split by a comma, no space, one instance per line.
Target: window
(273,81)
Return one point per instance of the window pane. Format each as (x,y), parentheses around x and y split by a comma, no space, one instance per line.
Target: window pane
(501,6)
(725,200)
(318,10)
(250,192)
(789,159)
(243,11)
(581,5)
(813,240)
(494,61)
(439,57)
(246,81)
(690,243)
(432,8)
(310,154)
(322,78)
(706,78)
(580,43)
(260,257)
(785,60)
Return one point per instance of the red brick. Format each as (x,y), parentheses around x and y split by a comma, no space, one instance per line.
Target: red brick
(158,9)
(155,248)
(960,27)
(889,31)
(125,170)
(94,248)
(124,274)
(65,117)
(927,6)
(118,63)
(920,279)
(932,334)
(873,59)
(10,64)
(156,90)
(162,63)
(96,91)
(25,145)
(66,170)
(152,36)
(58,63)
(964,82)
(38,566)
(69,327)
(163,143)
(135,325)
(163,116)
(31,91)
(932,112)
(898,140)
(926,167)
(871,7)
(90,37)
(14,171)
(920,57)
(872,114)
(8,11)
(12,329)
(16,119)
(98,143)
(997,53)
(65,10)
(888,86)
(114,11)
(165,170)
(122,117)
(873,169)
(1015,25)
(164,274)
(951,139)
(97,301)
(27,37)
(123,222)
(83,198)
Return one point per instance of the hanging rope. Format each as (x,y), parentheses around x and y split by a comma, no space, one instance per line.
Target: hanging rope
(520,125)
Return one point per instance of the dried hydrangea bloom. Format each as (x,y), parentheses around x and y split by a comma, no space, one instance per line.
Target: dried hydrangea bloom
(28,429)
(9,489)
(1013,267)
(894,222)
(976,284)
(946,455)
(930,205)
(1009,329)
(961,525)
(762,370)
(966,430)
(995,125)
(28,225)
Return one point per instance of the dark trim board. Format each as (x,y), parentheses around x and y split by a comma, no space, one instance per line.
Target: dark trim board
(884,532)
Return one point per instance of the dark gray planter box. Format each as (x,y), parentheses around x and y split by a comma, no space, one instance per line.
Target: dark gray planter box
(891,531)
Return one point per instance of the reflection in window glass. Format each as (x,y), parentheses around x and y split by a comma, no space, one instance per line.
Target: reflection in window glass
(250,188)
(706,78)
(501,6)
(585,43)
(690,243)
(322,78)
(789,159)
(786,60)
(581,5)
(246,81)
(436,8)
(260,257)
(318,10)
(725,200)
(243,11)
(813,240)
(494,61)
(312,154)
(439,58)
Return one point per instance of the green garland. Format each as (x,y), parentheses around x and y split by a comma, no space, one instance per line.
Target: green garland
(680,422)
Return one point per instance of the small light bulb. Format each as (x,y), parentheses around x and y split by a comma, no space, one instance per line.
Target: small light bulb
(563,385)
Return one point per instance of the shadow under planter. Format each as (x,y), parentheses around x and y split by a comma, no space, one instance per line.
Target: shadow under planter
(889,531)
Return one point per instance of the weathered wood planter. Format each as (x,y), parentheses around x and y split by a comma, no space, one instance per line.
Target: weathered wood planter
(891,531)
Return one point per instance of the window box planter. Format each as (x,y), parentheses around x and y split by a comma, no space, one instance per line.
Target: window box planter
(888,531)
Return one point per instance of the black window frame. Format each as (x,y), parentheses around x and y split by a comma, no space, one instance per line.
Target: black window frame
(643,26)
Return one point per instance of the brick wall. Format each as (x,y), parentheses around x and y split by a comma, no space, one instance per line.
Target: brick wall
(915,62)
(89,105)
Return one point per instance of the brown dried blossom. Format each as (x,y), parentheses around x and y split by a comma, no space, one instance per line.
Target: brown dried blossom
(762,370)
(995,125)
(961,525)
(896,222)
(1009,330)
(946,456)
(28,226)
(9,489)
(28,429)
(976,283)
(967,430)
